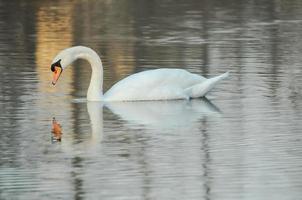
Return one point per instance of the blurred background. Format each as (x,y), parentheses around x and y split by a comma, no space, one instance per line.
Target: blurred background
(242,142)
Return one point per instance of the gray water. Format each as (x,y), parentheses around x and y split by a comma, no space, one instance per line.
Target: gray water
(242,142)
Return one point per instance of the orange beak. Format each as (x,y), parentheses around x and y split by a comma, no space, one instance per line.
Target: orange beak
(56,74)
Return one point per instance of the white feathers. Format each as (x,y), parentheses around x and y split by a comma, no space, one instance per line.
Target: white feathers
(158,84)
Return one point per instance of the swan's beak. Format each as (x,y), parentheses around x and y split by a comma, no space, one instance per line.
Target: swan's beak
(56,74)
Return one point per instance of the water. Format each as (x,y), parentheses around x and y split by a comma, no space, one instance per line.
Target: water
(242,142)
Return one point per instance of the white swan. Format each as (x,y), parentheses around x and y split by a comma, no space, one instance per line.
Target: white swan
(158,84)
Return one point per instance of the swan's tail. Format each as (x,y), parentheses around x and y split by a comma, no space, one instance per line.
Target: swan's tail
(201,89)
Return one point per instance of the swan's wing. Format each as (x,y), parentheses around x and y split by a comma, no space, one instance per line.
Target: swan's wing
(153,85)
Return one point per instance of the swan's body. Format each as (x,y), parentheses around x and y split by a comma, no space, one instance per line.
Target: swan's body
(155,84)
(158,84)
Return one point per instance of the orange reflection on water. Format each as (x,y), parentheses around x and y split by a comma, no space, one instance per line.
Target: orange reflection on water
(54,33)
(56,130)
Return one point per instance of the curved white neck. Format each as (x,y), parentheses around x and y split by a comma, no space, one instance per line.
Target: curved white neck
(95,90)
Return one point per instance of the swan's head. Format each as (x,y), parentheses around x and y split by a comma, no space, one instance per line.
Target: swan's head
(57,69)
(62,60)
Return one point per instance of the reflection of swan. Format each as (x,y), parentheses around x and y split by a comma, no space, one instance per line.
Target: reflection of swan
(95,111)
(159,84)
(164,114)
(152,114)
(56,131)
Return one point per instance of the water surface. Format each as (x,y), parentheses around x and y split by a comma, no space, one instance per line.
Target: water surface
(242,142)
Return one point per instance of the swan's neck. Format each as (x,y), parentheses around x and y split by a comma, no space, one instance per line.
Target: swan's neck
(95,90)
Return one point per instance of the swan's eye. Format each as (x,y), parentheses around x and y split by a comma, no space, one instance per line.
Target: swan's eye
(56,64)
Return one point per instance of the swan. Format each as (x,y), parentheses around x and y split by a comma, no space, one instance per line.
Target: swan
(157,84)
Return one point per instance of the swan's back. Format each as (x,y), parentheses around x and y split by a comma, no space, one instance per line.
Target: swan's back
(155,84)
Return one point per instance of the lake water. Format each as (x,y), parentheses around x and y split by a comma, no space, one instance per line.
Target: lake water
(242,142)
